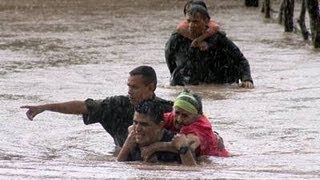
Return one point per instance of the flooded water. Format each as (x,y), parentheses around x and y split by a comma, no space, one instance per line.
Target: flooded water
(59,50)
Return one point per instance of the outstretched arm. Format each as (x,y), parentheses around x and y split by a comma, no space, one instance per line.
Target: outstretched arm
(71,107)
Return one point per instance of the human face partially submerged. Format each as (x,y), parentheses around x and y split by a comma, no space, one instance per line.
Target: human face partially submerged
(183,117)
(138,90)
(146,131)
(197,24)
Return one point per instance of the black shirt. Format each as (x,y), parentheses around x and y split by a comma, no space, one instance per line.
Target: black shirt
(162,156)
(115,114)
(223,62)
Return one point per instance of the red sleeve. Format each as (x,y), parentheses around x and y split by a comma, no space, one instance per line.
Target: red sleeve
(168,121)
(208,141)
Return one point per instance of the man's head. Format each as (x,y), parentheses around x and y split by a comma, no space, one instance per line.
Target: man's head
(187,107)
(142,83)
(148,122)
(198,18)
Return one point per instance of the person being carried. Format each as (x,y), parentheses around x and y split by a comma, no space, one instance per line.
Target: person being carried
(147,129)
(114,113)
(183,27)
(221,63)
(188,121)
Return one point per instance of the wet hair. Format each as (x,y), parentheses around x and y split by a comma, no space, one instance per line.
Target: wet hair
(198,9)
(198,105)
(188,5)
(152,108)
(147,72)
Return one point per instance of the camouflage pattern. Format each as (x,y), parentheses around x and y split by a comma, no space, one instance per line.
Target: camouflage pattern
(115,114)
(223,62)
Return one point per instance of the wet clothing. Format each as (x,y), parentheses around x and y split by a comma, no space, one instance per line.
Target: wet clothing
(115,114)
(201,128)
(223,62)
(162,156)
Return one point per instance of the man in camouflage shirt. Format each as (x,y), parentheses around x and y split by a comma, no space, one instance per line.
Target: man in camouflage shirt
(113,113)
(220,62)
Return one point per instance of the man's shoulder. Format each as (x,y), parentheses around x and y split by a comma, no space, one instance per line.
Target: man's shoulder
(218,35)
(163,100)
(121,99)
(176,35)
(111,103)
(166,104)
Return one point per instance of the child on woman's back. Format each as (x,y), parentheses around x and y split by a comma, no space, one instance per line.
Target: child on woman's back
(183,27)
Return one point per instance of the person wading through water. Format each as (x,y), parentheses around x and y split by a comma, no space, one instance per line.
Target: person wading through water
(222,61)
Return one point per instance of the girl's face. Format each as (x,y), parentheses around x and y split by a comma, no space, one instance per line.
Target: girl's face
(183,117)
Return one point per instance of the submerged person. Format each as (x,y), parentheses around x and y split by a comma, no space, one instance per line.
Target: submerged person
(221,63)
(147,129)
(114,113)
(188,121)
(183,27)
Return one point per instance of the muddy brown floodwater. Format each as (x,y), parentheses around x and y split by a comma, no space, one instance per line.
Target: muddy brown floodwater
(59,50)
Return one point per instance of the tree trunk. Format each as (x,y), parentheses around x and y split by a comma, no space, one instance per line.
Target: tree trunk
(288,15)
(254,3)
(314,14)
(267,9)
(281,10)
(301,21)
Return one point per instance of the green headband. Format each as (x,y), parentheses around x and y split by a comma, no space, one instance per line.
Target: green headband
(187,102)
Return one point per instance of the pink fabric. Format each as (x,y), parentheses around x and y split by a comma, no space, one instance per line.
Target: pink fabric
(182,28)
(201,128)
